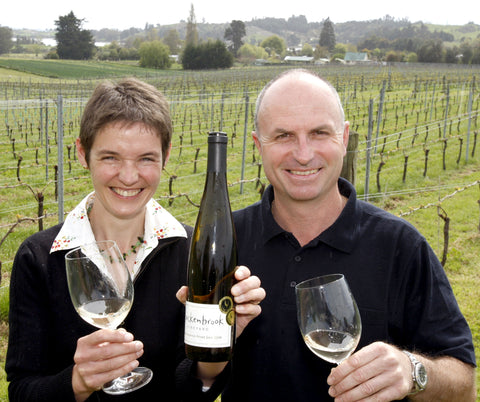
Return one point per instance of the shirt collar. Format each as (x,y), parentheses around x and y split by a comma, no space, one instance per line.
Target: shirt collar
(340,235)
(159,224)
(270,226)
(343,232)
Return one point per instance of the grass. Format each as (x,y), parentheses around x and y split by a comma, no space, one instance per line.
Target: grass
(195,100)
(71,70)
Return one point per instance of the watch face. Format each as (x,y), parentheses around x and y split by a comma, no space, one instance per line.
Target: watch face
(421,375)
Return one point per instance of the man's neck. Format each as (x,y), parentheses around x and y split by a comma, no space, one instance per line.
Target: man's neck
(308,219)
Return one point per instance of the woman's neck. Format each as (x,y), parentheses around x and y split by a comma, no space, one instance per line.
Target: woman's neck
(126,232)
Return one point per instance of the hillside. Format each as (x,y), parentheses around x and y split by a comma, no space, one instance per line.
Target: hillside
(298,30)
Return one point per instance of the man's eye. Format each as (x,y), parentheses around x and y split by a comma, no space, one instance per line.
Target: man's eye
(283,136)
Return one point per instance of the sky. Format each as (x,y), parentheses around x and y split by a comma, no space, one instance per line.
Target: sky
(98,14)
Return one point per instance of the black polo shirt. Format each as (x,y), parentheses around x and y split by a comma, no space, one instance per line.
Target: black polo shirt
(403,295)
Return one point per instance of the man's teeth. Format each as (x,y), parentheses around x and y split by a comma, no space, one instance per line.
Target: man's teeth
(304,172)
(126,193)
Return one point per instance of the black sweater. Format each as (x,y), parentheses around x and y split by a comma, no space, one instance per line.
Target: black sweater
(44,326)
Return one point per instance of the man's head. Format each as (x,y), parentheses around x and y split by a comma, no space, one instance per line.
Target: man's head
(301,135)
(128,101)
(299,73)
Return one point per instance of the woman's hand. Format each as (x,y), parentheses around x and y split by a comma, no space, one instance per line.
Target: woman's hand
(247,295)
(102,356)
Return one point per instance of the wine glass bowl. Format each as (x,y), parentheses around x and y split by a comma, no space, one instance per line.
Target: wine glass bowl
(328,317)
(101,291)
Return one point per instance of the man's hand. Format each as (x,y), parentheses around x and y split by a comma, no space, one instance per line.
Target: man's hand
(247,295)
(382,372)
(378,371)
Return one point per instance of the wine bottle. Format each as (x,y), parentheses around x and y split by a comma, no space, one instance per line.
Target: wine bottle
(209,310)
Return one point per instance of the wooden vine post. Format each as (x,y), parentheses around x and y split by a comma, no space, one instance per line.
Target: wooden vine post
(380,166)
(349,168)
(446,227)
(170,189)
(426,162)
(405,166)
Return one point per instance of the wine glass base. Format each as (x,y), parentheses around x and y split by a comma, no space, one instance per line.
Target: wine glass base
(129,382)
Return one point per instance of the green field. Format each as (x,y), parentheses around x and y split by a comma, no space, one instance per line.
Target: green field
(418,160)
(73,70)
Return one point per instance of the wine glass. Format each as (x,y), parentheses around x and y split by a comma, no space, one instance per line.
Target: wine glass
(328,317)
(101,290)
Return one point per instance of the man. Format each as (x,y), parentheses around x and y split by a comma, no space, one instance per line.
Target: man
(309,223)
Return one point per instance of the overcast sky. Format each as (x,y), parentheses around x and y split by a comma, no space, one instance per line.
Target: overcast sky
(41,14)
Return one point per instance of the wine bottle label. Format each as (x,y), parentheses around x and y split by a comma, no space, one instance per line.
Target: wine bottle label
(207,326)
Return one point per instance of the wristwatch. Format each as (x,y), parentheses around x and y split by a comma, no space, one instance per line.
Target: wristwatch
(419,374)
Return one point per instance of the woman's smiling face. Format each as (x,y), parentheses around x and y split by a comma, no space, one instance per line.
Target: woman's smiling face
(125,163)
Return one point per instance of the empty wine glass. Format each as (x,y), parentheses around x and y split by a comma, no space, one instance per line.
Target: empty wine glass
(328,317)
(101,290)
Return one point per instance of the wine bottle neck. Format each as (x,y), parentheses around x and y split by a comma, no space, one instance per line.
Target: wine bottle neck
(217,152)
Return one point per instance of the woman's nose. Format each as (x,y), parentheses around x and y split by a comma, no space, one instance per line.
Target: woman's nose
(128,173)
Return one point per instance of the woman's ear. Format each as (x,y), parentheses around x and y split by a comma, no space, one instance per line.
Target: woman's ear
(81,154)
(167,156)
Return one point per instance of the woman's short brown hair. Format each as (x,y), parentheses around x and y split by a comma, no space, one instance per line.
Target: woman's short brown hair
(129,100)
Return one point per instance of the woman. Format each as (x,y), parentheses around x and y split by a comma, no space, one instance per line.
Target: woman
(53,355)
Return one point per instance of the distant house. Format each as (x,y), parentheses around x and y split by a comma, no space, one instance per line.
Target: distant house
(322,61)
(352,57)
(298,59)
(260,62)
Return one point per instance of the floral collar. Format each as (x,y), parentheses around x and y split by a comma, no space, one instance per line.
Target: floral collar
(159,224)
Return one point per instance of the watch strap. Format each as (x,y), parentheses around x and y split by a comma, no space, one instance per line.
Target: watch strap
(414,362)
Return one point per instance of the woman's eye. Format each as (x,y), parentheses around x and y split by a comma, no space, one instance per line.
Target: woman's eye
(148,159)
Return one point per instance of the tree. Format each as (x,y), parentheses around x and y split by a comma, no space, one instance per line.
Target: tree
(72,41)
(154,54)
(192,33)
(327,35)
(466,51)
(431,51)
(298,24)
(235,33)
(307,50)
(476,52)
(172,40)
(273,43)
(451,55)
(250,53)
(5,39)
(212,54)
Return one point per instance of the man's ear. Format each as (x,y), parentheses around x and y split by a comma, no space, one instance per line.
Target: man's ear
(346,136)
(257,142)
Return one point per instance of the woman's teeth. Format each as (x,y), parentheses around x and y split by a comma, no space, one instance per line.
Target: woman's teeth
(126,193)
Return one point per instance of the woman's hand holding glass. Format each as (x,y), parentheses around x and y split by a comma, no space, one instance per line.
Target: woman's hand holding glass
(101,290)
(101,356)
